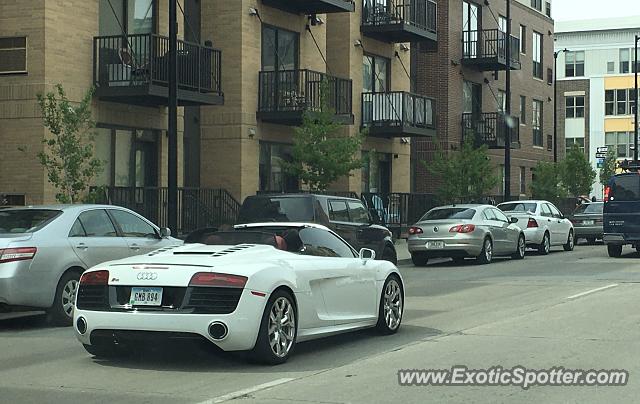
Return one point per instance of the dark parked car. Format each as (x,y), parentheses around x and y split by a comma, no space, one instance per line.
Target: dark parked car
(622,213)
(346,216)
(587,221)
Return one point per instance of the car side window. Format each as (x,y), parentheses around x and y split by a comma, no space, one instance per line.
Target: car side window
(97,223)
(338,211)
(77,230)
(500,216)
(555,212)
(489,214)
(133,226)
(546,211)
(321,243)
(358,213)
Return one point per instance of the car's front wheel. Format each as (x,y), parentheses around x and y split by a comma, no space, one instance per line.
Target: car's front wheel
(61,313)
(614,250)
(391,306)
(419,259)
(570,244)
(278,330)
(521,248)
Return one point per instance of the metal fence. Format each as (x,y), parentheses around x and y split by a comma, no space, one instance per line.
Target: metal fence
(490,43)
(419,13)
(397,108)
(489,128)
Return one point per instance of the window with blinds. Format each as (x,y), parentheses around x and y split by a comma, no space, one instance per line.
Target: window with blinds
(13,55)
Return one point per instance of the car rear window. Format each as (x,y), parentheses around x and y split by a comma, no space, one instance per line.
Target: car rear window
(449,213)
(589,209)
(518,207)
(275,209)
(25,220)
(625,188)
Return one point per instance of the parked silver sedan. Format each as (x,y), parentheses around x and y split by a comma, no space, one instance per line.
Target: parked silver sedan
(45,249)
(461,231)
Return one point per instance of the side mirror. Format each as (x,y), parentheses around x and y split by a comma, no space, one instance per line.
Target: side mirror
(513,220)
(165,232)
(367,254)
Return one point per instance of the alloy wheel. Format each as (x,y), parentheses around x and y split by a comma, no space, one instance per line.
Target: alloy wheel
(571,240)
(547,244)
(488,250)
(393,304)
(522,247)
(282,327)
(68,297)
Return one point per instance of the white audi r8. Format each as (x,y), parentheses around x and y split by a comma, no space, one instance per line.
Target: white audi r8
(260,288)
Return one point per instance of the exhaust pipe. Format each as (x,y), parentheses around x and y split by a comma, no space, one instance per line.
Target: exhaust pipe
(81,325)
(218,330)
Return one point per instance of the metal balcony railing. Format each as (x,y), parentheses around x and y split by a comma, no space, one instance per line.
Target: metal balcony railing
(396,112)
(489,128)
(418,13)
(143,59)
(489,47)
(297,91)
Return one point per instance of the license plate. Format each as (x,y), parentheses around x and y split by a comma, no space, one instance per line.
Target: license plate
(435,245)
(146,297)
(588,222)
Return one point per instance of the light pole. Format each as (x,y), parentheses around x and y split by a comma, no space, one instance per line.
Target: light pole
(555,103)
(507,129)
(172,129)
(635,102)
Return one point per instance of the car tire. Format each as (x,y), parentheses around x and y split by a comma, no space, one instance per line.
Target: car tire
(486,255)
(545,247)
(61,313)
(391,306)
(280,303)
(614,250)
(388,254)
(419,259)
(570,244)
(521,248)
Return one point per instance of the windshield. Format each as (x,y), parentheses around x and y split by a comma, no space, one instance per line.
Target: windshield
(589,209)
(276,209)
(518,207)
(625,188)
(449,213)
(25,220)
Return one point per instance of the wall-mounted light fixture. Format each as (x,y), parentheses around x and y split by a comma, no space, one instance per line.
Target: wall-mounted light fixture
(404,48)
(315,20)
(253,12)
(252,132)
(358,43)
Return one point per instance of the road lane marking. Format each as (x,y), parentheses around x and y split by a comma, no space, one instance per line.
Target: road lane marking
(588,292)
(244,392)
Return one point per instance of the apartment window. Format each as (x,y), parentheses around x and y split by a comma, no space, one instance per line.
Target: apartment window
(502,22)
(619,102)
(13,55)
(624,60)
(536,123)
(523,39)
(547,9)
(271,172)
(376,73)
(620,142)
(279,49)
(574,64)
(523,110)
(537,4)
(611,67)
(569,142)
(132,16)
(537,55)
(523,180)
(502,100)
(575,106)
(471,18)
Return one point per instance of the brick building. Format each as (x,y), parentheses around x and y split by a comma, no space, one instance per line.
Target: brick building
(466,75)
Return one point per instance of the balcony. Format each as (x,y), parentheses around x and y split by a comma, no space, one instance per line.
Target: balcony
(284,96)
(312,6)
(486,50)
(134,69)
(400,21)
(398,114)
(488,128)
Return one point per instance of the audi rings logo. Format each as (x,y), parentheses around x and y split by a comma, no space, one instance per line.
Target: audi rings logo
(147,276)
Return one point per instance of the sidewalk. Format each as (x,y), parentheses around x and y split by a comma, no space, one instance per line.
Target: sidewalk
(402,251)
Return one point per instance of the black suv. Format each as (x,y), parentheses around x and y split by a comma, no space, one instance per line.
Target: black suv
(346,216)
(621,214)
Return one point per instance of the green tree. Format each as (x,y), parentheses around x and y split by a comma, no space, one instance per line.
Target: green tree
(546,182)
(320,155)
(67,155)
(576,173)
(609,168)
(465,174)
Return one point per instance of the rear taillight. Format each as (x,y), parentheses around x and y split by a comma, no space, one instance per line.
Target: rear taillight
(532,223)
(463,228)
(218,280)
(607,193)
(95,278)
(17,254)
(415,230)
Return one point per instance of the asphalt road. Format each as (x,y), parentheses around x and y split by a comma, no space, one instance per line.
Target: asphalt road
(577,310)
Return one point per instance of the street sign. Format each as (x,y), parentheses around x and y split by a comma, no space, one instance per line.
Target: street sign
(604,149)
(601,156)
(600,164)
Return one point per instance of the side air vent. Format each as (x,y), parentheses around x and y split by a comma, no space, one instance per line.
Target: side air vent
(233,249)
(162,250)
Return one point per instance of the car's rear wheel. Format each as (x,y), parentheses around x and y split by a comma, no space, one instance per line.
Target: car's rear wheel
(614,250)
(521,248)
(278,330)
(486,255)
(570,244)
(545,247)
(389,255)
(419,259)
(61,313)
(391,306)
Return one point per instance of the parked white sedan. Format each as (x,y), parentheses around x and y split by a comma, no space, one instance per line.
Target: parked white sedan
(543,224)
(261,287)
